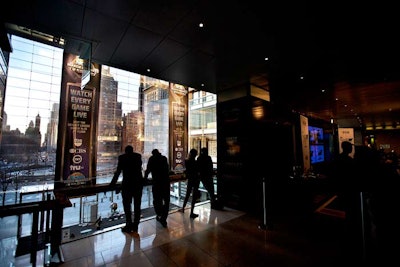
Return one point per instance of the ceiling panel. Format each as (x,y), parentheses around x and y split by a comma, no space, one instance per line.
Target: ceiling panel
(161,17)
(21,12)
(164,55)
(59,17)
(193,70)
(96,26)
(123,10)
(189,33)
(134,47)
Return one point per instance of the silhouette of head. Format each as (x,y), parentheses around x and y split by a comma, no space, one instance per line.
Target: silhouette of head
(193,153)
(129,149)
(347,147)
(204,151)
(155,152)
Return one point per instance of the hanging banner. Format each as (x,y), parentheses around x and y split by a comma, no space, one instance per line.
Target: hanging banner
(178,129)
(77,122)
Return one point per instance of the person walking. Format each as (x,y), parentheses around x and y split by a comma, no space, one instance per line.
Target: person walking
(130,164)
(206,173)
(159,168)
(193,181)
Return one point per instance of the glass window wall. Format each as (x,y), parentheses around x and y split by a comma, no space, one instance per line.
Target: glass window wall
(133,110)
(29,129)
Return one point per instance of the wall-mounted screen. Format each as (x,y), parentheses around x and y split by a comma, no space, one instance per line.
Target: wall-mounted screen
(316,135)
(317,153)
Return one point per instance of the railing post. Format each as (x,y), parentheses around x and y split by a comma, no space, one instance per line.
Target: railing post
(264,223)
(34,240)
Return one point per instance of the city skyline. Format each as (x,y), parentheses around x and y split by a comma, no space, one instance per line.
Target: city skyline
(34,71)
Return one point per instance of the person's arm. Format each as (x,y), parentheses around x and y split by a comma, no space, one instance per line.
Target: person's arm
(116,174)
(210,166)
(148,169)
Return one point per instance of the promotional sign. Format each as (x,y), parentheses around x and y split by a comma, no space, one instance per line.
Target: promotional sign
(78,138)
(346,134)
(305,143)
(178,119)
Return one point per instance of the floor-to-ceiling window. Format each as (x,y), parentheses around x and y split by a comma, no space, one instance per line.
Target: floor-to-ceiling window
(203,122)
(133,110)
(30,120)
(203,127)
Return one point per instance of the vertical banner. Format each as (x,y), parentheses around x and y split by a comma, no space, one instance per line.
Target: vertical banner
(305,143)
(346,134)
(178,126)
(77,126)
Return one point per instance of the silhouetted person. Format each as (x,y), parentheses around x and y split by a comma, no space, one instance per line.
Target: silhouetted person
(347,187)
(193,181)
(130,164)
(367,162)
(384,202)
(344,168)
(206,173)
(159,168)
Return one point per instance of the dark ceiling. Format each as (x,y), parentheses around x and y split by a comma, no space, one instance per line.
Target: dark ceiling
(325,59)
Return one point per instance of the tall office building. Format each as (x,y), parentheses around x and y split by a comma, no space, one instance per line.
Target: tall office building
(52,128)
(109,138)
(133,131)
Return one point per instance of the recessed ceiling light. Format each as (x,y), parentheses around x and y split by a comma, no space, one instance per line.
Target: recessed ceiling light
(148,70)
(201,25)
(266,59)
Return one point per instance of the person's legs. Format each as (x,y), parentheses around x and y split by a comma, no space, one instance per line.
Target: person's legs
(209,185)
(165,204)
(126,202)
(189,189)
(137,203)
(211,188)
(157,201)
(195,195)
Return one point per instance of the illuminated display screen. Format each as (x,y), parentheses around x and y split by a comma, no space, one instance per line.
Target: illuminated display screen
(316,135)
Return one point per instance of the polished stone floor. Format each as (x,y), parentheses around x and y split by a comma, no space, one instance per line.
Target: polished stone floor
(215,238)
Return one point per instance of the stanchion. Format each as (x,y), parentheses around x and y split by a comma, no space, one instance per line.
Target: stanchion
(364,255)
(263,226)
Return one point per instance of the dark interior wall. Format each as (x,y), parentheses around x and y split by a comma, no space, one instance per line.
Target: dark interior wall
(231,136)
(253,149)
